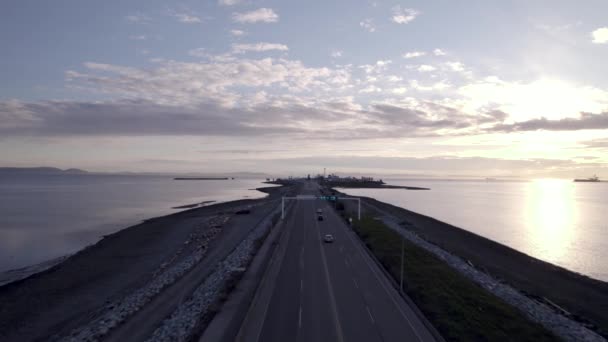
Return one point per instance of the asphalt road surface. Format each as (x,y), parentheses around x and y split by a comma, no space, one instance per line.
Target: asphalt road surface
(317,291)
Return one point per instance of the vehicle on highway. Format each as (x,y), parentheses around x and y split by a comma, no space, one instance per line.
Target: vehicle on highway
(328,238)
(319,217)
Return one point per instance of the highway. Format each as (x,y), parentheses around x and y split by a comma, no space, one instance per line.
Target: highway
(316,291)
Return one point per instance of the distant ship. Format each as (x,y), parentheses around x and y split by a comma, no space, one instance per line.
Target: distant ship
(591,179)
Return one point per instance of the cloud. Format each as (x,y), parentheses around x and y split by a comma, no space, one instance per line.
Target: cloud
(404,15)
(262,15)
(243,151)
(455,66)
(310,101)
(196,99)
(600,36)
(336,54)
(370,89)
(552,99)
(436,86)
(124,118)
(597,143)
(437,165)
(237,33)
(187,18)
(258,47)
(557,29)
(439,52)
(368,25)
(376,68)
(138,18)
(223,79)
(185,15)
(414,54)
(199,52)
(426,68)
(138,37)
(228,2)
(584,121)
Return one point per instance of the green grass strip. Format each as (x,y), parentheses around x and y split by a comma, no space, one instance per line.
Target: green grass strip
(458,308)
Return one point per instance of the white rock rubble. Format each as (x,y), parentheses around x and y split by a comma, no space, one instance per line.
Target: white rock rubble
(560,325)
(117,312)
(182,324)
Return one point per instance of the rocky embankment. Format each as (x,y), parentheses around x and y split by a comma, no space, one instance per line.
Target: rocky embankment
(185,321)
(98,292)
(168,272)
(549,316)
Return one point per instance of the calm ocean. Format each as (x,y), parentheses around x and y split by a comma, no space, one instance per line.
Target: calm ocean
(44,217)
(559,221)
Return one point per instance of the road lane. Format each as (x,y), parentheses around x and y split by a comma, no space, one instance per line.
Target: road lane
(352,308)
(320,320)
(294,314)
(330,291)
(393,317)
(286,285)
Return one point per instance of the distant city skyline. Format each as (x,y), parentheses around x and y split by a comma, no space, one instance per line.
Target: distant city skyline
(438,88)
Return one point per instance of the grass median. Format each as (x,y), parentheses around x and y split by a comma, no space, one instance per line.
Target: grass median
(458,308)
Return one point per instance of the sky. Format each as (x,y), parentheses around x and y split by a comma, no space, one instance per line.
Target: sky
(432,88)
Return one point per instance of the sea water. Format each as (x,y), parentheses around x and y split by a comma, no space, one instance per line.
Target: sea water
(44,217)
(559,221)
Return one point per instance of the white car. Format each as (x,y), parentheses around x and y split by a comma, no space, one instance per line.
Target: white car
(328,238)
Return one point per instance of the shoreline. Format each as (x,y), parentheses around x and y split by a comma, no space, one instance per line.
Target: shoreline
(13,275)
(575,295)
(379,186)
(53,302)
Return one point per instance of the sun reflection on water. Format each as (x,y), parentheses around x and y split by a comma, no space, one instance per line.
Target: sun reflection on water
(550,213)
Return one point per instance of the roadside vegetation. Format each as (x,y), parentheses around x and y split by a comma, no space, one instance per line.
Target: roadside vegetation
(458,308)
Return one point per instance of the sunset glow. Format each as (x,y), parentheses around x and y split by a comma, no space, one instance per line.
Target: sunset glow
(206,86)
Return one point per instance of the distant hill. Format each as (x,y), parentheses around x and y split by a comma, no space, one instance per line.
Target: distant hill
(39,171)
(247,175)
(44,170)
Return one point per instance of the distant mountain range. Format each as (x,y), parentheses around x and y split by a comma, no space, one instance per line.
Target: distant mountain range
(40,171)
(58,171)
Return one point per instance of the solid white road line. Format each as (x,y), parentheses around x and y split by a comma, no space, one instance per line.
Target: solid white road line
(365,257)
(300,318)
